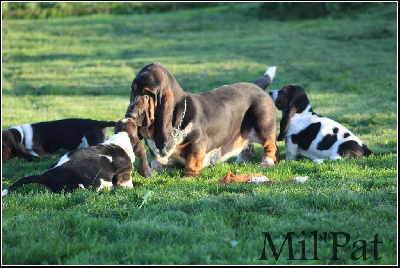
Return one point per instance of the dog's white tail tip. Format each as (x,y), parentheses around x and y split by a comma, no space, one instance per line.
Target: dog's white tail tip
(271,72)
(4,192)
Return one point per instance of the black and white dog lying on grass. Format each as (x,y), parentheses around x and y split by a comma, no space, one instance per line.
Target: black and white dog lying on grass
(29,141)
(312,135)
(106,165)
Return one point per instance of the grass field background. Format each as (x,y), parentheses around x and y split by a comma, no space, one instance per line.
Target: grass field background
(83,67)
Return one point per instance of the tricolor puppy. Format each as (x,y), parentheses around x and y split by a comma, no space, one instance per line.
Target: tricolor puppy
(108,164)
(197,130)
(30,140)
(312,135)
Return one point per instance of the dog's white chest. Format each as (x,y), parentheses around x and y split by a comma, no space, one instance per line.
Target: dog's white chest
(171,156)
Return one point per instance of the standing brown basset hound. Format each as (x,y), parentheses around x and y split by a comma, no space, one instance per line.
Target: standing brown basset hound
(197,130)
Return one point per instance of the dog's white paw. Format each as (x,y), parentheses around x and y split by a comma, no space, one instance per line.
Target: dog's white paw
(318,161)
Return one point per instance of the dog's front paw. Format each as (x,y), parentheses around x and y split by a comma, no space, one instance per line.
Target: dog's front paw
(157,166)
(148,174)
(144,170)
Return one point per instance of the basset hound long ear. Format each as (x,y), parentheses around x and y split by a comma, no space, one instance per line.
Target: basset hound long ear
(284,125)
(297,102)
(12,147)
(163,121)
(20,151)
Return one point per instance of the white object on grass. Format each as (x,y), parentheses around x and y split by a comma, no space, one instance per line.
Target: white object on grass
(301,179)
(258,180)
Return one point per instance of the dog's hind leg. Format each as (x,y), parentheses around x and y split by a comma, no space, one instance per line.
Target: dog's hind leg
(271,154)
(264,130)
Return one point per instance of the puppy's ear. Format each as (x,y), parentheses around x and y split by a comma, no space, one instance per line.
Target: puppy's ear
(296,103)
(7,153)
(152,109)
(163,122)
(284,125)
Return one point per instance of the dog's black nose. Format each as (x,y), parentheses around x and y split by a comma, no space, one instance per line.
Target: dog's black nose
(270,93)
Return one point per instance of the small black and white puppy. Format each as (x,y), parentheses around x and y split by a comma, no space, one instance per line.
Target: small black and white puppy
(35,140)
(106,165)
(311,135)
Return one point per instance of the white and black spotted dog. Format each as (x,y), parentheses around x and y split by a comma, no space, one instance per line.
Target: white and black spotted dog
(106,165)
(311,135)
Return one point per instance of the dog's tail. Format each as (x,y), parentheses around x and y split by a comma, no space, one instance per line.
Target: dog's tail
(266,80)
(30,179)
(367,151)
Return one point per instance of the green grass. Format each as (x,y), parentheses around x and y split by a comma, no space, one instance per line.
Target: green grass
(83,67)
